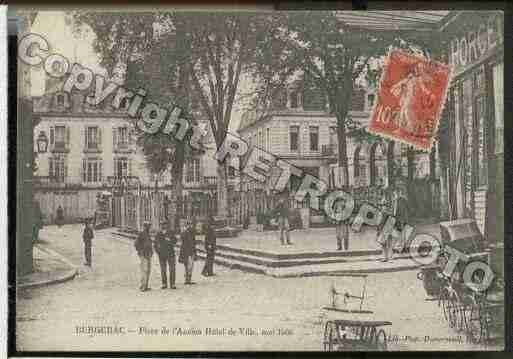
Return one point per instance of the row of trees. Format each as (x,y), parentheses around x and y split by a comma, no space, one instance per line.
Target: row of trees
(197,60)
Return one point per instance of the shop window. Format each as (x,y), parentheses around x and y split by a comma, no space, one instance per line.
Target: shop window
(480,159)
(498,96)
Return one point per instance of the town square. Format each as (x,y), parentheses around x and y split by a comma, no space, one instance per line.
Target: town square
(245,181)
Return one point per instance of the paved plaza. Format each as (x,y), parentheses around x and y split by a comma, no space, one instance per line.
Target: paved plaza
(287,309)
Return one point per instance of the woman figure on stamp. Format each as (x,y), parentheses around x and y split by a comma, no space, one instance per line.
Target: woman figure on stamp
(406,90)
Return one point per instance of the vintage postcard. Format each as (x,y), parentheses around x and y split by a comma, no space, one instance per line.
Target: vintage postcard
(193,181)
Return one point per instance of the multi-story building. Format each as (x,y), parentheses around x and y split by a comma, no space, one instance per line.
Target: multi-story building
(300,129)
(93,149)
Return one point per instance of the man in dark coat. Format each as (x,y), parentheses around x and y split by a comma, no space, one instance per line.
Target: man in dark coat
(210,248)
(38,221)
(60,216)
(342,226)
(87,237)
(144,250)
(165,241)
(282,212)
(188,251)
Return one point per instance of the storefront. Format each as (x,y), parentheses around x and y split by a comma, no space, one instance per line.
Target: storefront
(471,130)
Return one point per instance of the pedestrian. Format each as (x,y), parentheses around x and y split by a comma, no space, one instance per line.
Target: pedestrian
(87,237)
(165,241)
(401,213)
(60,216)
(342,225)
(38,221)
(384,239)
(282,212)
(143,246)
(188,251)
(210,248)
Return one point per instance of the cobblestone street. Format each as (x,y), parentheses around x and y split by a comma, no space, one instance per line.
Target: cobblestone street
(288,310)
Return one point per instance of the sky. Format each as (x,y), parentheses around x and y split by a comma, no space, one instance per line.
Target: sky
(57,29)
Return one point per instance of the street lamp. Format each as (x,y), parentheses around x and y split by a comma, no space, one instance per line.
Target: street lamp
(42,142)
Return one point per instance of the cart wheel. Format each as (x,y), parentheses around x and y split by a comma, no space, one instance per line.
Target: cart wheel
(486,319)
(444,301)
(474,322)
(328,337)
(381,340)
(466,310)
(457,315)
(372,338)
(451,312)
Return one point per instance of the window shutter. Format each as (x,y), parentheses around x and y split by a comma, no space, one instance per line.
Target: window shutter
(129,170)
(100,171)
(65,169)
(114,137)
(52,137)
(85,138)
(84,170)
(67,137)
(99,138)
(50,167)
(131,136)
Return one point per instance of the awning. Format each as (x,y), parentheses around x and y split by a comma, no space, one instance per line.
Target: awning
(394,20)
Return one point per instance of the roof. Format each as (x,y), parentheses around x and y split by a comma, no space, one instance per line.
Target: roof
(400,20)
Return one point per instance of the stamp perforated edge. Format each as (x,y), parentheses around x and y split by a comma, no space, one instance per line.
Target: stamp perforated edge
(438,114)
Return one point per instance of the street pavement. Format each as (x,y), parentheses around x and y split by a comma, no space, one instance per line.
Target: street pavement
(275,313)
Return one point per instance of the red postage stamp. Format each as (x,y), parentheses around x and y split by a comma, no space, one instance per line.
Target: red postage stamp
(410,100)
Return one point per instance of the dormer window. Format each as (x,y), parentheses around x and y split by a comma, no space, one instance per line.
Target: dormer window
(123,104)
(370,100)
(60,100)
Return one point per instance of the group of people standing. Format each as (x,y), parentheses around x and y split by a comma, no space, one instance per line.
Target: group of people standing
(164,245)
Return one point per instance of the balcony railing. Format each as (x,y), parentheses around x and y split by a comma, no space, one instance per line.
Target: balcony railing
(329,149)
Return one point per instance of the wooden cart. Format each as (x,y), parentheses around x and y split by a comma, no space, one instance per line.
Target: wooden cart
(353,329)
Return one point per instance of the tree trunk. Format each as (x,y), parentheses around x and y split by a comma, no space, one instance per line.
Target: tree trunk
(177,183)
(222,190)
(342,147)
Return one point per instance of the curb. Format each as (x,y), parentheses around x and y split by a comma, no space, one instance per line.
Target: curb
(65,276)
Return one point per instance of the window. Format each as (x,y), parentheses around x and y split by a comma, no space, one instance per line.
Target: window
(58,169)
(123,104)
(360,170)
(231,172)
(268,141)
(60,137)
(314,138)
(294,138)
(121,167)
(370,101)
(60,100)
(192,173)
(92,138)
(294,99)
(92,170)
(122,137)
(498,96)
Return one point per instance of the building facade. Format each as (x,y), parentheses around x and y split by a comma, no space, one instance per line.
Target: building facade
(473,134)
(301,130)
(92,150)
